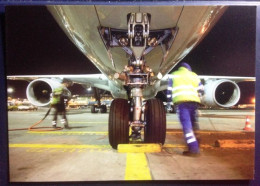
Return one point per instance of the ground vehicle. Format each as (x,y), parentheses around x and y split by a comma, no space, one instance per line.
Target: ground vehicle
(12,107)
(26,107)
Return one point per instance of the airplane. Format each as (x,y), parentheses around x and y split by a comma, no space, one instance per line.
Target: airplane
(135,47)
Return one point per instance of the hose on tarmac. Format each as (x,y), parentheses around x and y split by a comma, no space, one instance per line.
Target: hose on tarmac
(39,129)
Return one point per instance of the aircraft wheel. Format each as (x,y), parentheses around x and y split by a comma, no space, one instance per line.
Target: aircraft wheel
(155,117)
(103,109)
(94,109)
(118,122)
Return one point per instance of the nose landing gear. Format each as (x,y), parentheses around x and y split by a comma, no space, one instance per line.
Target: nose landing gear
(133,114)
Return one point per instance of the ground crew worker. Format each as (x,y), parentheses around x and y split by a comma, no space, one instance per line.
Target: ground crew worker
(59,97)
(184,90)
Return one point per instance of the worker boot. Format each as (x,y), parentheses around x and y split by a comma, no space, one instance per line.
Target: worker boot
(65,123)
(193,146)
(54,124)
(191,154)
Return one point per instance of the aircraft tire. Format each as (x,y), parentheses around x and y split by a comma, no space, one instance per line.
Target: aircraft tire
(118,122)
(94,109)
(103,109)
(155,117)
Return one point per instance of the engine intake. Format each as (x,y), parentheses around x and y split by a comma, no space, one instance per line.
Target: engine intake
(221,93)
(39,91)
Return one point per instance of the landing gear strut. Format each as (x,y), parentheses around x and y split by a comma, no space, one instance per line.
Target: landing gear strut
(98,107)
(133,114)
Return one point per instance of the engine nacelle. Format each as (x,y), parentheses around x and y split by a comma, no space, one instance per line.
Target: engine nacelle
(221,93)
(39,91)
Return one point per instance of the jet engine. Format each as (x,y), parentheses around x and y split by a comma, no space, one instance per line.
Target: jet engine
(221,93)
(39,91)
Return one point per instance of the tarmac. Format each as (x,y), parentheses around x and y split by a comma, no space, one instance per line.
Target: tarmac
(83,154)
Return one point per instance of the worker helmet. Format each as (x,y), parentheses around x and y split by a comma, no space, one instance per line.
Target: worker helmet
(186,65)
(67,81)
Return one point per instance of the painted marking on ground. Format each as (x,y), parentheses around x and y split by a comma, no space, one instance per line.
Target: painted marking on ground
(172,122)
(139,148)
(185,146)
(61,147)
(106,133)
(224,144)
(68,132)
(207,132)
(58,146)
(137,167)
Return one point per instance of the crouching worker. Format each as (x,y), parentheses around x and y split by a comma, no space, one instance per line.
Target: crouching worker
(60,96)
(184,90)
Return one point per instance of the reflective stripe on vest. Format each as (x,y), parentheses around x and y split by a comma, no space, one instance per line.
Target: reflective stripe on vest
(185,86)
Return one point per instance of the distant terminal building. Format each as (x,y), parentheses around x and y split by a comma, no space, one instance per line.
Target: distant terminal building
(246,106)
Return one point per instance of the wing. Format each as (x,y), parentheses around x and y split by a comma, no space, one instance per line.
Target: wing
(95,80)
(40,87)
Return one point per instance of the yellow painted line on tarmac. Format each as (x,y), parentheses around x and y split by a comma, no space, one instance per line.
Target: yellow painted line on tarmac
(137,167)
(173,122)
(106,133)
(139,148)
(68,132)
(58,146)
(206,132)
(184,146)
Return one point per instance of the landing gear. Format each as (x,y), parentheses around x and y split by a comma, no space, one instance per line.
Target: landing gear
(155,117)
(96,108)
(137,76)
(154,123)
(103,109)
(118,124)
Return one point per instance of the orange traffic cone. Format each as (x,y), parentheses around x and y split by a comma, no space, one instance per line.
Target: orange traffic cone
(248,125)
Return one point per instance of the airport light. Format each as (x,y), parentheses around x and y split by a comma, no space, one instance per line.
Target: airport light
(10,90)
(253,100)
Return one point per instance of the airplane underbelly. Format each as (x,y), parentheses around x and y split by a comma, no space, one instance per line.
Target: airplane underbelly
(81,24)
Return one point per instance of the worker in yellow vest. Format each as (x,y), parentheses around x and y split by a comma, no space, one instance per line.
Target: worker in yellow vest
(184,91)
(59,97)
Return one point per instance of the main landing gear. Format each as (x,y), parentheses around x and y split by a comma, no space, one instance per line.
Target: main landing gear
(98,107)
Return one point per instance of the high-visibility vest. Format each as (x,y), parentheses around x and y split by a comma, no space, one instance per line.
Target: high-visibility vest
(56,95)
(185,86)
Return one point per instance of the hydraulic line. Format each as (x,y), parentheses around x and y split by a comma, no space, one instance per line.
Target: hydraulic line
(40,129)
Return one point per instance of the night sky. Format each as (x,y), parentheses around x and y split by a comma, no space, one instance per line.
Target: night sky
(36,45)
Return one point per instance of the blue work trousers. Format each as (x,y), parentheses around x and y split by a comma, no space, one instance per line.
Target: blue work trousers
(187,113)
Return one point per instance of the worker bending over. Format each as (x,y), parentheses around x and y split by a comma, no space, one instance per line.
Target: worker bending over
(184,91)
(60,96)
